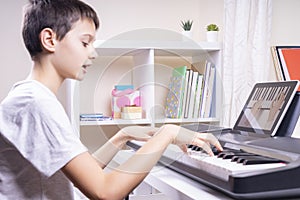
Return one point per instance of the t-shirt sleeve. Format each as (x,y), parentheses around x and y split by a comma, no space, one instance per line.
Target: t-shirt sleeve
(43,134)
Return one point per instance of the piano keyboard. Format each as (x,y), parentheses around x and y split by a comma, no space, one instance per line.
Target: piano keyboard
(229,162)
(236,172)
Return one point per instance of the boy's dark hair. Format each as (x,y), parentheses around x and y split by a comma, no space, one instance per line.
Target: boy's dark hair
(59,15)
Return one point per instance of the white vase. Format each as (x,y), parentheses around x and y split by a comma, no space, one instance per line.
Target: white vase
(186,35)
(212,36)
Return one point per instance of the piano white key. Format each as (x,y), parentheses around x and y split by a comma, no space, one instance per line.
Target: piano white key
(223,168)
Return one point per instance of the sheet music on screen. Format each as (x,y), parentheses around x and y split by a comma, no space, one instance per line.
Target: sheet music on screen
(266,106)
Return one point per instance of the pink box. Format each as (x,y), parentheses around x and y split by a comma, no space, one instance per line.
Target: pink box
(124,98)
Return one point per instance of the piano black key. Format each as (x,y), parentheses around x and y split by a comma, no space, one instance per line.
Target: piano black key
(215,150)
(236,157)
(196,148)
(261,161)
(230,155)
(251,160)
(228,151)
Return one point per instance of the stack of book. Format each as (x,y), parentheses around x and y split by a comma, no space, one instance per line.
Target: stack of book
(94,117)
(190,91)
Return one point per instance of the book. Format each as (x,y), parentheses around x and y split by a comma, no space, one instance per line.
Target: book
(209,93)
(198,96)
(91,115)
(94,117)
(104,118)
(188,94)
(186,84)
(175,95)
(124,87)
(203,67)
(192,94)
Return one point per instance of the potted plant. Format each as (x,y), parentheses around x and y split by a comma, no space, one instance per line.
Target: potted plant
(187,26)
(212,32)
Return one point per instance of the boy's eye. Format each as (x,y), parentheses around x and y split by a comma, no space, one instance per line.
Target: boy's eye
(85,44)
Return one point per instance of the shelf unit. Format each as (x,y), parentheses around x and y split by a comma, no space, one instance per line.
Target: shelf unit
(146,59)
(138,62)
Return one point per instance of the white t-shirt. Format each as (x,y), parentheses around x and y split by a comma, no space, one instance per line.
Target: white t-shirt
(36,141)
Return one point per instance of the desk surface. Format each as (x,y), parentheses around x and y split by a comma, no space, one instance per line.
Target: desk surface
(174,185)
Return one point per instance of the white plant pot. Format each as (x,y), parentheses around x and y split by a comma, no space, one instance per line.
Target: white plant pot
(186,35)
(212,36)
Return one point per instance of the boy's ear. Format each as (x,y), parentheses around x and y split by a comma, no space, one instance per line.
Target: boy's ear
(48,39)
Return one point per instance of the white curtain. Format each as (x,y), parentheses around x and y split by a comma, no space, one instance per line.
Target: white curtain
(246,52)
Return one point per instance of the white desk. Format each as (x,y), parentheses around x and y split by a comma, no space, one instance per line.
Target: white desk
(174,185)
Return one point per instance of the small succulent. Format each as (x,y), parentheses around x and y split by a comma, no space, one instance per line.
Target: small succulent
(187,25)
(212,27)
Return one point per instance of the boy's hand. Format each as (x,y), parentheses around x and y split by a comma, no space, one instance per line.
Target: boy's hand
(184,136)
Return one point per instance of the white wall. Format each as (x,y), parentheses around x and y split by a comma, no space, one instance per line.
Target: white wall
(285,22)
(15,61)
(121,16)
(116,17)
(135,14)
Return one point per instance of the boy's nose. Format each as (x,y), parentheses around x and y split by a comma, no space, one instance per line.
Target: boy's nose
(93,54)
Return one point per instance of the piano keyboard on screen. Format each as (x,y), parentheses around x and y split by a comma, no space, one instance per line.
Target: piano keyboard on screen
(268,95)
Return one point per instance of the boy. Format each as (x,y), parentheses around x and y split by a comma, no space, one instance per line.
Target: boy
(40,155)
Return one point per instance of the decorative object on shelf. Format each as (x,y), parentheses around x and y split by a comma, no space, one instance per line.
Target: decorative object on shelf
(131,112)
(212,33)
(124,97)
(187,26)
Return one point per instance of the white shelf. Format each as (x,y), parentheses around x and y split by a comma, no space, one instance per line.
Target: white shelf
(164,48)
(115,122)
(143,70)
(192,120)
(147,122)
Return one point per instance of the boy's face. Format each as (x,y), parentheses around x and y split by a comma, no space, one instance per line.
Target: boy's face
(74,53)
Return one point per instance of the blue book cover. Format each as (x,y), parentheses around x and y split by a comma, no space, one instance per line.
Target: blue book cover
(123,87)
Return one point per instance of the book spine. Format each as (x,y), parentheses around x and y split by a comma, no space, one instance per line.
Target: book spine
(192,94)
(198,96)
(209,91)
(205,85)
(184,100)
(104,118)
(188,94)
(91,115)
